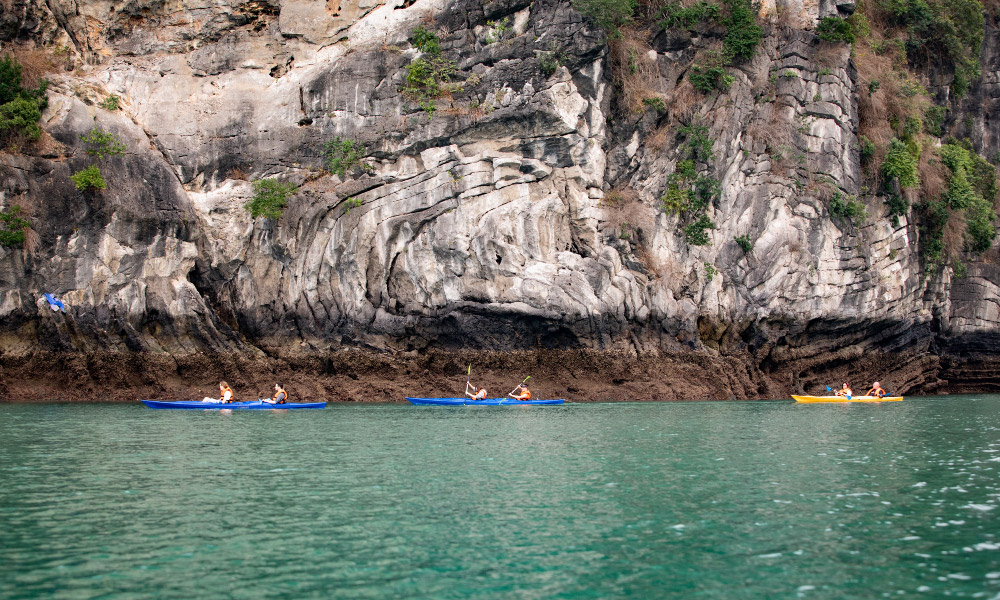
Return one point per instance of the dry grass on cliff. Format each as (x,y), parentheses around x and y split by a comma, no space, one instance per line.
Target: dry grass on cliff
(953,236)
(650,9)
(240,173)
(624,211)
(684,101)
(831,55)
(933,174)
(36,63)
(775,131)
(635,74)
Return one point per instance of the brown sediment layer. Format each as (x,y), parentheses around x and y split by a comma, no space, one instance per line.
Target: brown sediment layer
(577,375)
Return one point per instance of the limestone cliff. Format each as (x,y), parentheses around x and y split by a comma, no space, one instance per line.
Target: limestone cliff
(515,218)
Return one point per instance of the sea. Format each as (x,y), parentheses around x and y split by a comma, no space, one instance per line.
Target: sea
(767,499)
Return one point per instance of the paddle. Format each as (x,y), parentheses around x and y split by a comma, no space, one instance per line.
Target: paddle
(519,385)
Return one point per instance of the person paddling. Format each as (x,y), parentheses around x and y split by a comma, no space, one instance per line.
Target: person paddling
(225,394)
(475,392)
(845,391)
(876,391)
(280,395)
(523,394)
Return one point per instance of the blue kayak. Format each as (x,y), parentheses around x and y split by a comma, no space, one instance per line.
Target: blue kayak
(471,402)
(251,405)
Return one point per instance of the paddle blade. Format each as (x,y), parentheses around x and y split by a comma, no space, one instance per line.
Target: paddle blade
(470,370)
(829,389)
(526,379)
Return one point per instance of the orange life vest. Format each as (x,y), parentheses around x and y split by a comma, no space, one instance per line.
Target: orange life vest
(232,396)
(524,395)
(283,400)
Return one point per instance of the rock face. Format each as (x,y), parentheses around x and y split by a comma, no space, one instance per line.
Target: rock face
(517,221)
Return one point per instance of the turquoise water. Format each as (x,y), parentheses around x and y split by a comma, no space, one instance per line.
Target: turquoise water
(699,500)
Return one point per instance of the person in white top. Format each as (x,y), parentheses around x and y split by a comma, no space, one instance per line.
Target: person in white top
(225,394)
(476,393)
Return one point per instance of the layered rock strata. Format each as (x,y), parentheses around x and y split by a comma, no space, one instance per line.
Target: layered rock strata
(516,224)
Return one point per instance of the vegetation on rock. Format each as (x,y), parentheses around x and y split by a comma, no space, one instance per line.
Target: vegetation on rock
(426,41)
(101,143)
(739,44)
(941,32)
(343,155)
(849,208)
(901,165)
(13,226)
(20,107)
(112,103)
(89,179)
(609,15)
(269,198)
(835,29)
(689,193)
(744,242)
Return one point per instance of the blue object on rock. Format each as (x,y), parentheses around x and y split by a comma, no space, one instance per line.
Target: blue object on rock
(55,303)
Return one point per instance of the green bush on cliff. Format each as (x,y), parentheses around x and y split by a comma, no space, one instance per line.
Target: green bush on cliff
(849,208)
(944,32)
(101,143)
(959,157)
(900,164)
(548,62)
(89,179)
(11,84)
(609,15)
(428,78)
(697,143)
(710,76)
(972,187)
(743,35)
(934,120)
(835,29)
(677,15)
(695,234)
(112,103)
(688,193)
(979,226)
(343,155)
(20,117)
(20,107)
(12,226)
(744,242)
(934,218)
(269,198)
(426,41)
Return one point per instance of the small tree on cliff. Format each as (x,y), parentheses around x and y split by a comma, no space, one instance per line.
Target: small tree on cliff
(100,144)
(269,198)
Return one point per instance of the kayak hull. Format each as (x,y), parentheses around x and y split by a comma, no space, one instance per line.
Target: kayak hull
(819,399)
(486,402)
(252,405)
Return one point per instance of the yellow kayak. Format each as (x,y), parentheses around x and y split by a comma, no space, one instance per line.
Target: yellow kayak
(815,399)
